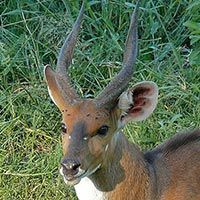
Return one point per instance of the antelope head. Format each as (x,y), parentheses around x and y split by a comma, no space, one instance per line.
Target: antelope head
(89,126)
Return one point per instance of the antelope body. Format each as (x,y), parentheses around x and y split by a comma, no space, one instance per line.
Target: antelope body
(98,159)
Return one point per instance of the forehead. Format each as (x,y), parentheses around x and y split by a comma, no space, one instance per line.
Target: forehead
(87,113)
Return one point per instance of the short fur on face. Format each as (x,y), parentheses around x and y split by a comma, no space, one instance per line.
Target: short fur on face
(83,120)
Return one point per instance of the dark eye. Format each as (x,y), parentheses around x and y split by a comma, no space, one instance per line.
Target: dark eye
(63,128)
(103,130)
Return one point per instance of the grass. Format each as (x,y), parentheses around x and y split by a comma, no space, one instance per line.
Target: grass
(32,33)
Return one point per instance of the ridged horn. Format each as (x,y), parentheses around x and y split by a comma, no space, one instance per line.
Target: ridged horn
(108,97)
(65,59)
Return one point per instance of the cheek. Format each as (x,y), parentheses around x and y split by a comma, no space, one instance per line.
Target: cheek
(95,146)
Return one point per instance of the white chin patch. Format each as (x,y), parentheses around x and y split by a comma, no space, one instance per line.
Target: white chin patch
(76,179)
(72,182)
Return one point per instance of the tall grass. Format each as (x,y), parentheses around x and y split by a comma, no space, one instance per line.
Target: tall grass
(32,33)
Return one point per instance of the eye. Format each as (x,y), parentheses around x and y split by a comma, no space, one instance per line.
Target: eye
(63,128)
(103,130)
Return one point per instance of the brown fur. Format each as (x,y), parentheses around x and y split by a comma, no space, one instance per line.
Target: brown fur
(117,168)
(176,166)
(128,174)
(170,171)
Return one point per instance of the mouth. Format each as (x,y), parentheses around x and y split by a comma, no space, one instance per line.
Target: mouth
(73,179)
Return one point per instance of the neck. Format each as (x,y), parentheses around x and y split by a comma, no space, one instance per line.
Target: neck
(124,173)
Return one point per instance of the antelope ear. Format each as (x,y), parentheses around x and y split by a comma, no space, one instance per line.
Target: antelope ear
(53,87)
(139,102)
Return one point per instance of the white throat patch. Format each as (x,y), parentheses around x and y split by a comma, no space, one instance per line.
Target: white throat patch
(85,190)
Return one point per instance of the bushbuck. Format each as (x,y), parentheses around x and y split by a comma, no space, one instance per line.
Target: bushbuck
(98,159)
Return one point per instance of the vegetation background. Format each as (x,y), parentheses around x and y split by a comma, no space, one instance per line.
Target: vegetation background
(32,32)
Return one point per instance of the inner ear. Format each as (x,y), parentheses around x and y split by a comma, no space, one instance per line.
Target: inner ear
(138,102)
(140,98)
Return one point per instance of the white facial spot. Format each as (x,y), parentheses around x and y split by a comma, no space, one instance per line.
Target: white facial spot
(70,137)
(85,138)
(106,149)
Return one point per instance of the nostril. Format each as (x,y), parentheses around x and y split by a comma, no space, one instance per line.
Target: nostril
(70,164)
(76,166)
